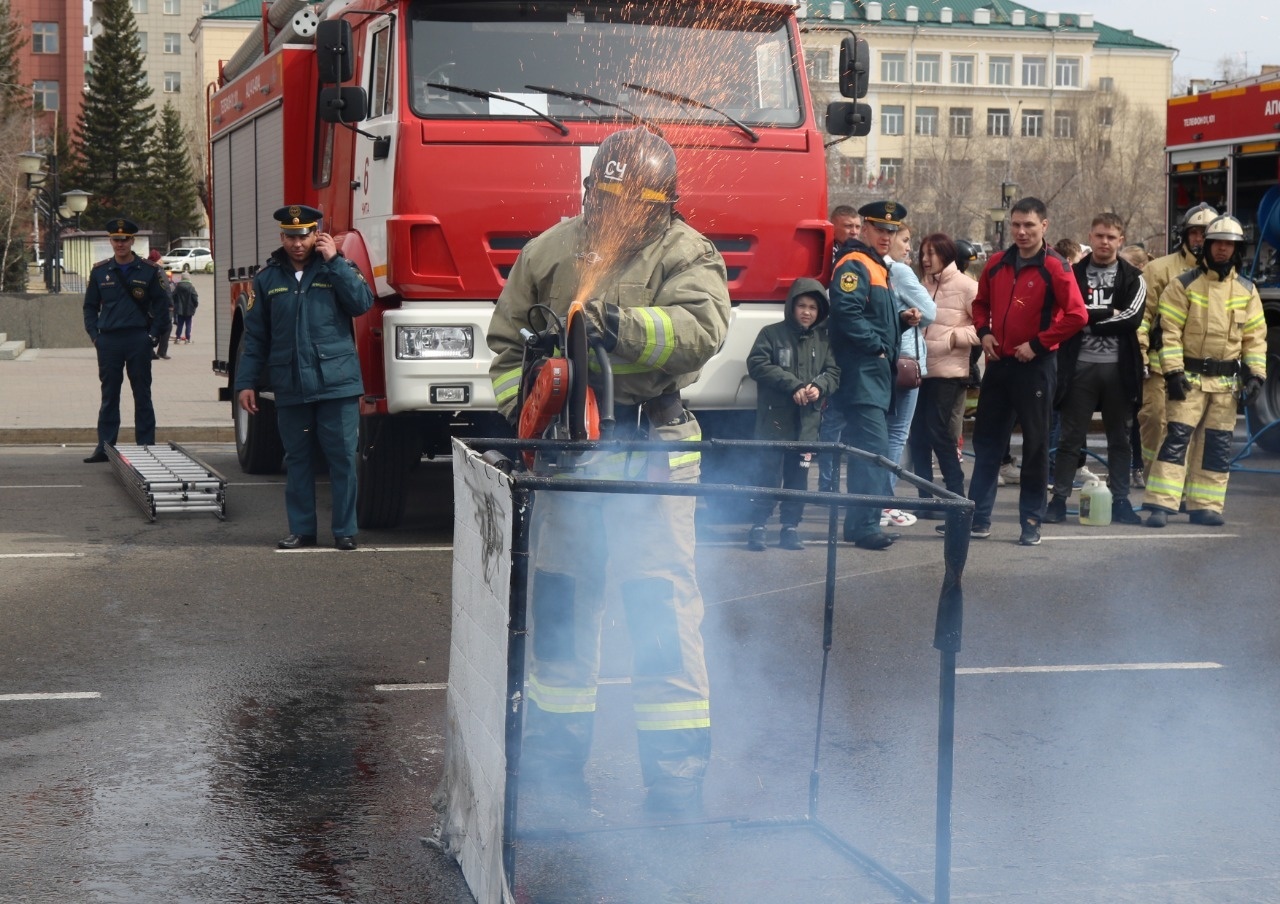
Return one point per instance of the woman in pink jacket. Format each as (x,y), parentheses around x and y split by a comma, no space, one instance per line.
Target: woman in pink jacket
(935,429)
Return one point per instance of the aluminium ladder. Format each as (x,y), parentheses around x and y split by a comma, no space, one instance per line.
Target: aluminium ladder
(168,479)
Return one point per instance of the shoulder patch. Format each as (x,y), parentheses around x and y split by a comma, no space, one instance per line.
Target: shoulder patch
(1245,282)
(1189,277)
(848,281)
(248,304)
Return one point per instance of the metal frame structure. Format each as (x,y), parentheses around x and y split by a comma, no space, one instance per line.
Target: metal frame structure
(168,479)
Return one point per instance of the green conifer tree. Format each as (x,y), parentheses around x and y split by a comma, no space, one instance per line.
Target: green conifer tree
(116,120)
(15,114)
(172,197)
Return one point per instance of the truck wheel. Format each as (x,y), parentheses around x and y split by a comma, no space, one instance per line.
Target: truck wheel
(388,450)
(1267,409)
(258,443)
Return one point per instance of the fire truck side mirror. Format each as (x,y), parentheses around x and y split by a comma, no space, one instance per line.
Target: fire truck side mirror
(343,104)
(855,67)
(850,120)
(335,54)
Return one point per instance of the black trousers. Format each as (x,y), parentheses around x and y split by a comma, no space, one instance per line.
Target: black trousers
(934,430)
(1094,386)
(794,476)
(1013,391)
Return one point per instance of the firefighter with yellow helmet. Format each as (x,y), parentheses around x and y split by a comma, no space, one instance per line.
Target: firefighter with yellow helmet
(1214,354)
(656,297)
(1157,275)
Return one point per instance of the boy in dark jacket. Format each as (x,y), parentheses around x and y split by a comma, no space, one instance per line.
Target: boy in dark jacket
(794,371)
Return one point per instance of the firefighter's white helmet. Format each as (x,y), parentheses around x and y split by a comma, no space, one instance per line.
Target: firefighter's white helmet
(1224,229)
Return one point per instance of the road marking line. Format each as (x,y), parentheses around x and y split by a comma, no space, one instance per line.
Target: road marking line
(41,555)
(1101,667)
(410,687)
(43,486)
(69,695)
(315,549)
(1148,536)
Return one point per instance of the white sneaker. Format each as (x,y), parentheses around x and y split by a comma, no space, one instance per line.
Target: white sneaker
(896,517)
(1083,476)
(1009,474)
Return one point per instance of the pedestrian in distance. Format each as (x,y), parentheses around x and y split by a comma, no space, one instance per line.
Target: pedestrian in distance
(1027,304)
(795,373)
(1100,368)
(126,311)
(185,301)
(1214,356)
(299,335)
(161,351)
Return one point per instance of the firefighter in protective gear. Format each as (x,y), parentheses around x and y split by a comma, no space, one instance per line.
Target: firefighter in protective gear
(658,301)
(1215,347)
(1158,274)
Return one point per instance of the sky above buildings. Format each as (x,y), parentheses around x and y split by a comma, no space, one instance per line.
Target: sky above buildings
(1247,31)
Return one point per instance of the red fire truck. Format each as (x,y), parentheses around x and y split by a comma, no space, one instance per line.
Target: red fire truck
(439,136)
(1224,148)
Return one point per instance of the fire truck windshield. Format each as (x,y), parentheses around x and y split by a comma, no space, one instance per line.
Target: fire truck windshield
(738,63)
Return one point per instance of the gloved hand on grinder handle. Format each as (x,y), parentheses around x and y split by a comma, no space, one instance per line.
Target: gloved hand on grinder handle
(602,322)
(1250,389)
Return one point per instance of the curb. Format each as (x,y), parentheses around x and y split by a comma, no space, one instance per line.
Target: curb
(34,436)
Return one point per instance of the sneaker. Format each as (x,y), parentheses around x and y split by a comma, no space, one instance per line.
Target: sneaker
(896,517)
(1083,476)
(978,531)
(1057,511)
(1009,474)
(1207,518)
(1030,535)
(789,539)
(1158,518)
(1122,512)
(1137,480)
(755,539)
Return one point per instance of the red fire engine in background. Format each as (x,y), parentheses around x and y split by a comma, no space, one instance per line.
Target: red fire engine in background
(439,136)
(1224,148)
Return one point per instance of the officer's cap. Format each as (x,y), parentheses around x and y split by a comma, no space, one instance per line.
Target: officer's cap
(888,215)
(297,219)
(120,226)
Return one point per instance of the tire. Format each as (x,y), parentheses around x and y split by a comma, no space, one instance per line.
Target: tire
(389,448)
(186,268)
(1266,410)
(258,443)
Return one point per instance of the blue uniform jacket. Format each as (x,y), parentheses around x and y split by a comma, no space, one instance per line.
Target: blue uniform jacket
(864,326)
(134,300)
(300,332)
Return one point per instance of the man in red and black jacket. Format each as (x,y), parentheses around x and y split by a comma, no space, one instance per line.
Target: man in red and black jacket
(1028,303)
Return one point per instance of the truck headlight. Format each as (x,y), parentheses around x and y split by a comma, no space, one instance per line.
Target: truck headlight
(428,342)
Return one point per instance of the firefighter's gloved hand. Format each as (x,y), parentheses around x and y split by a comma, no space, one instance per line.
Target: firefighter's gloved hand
(1250,390)
(602,323)
(1177,385)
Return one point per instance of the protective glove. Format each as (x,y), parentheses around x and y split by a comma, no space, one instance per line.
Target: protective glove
(1250,390)
(602,323)
(1177,385)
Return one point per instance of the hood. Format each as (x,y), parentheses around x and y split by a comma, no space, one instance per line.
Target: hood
(805,286)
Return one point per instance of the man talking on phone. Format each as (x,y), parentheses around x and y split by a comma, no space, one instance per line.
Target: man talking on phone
(299,342)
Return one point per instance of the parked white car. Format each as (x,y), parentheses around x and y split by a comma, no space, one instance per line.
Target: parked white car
(188,259)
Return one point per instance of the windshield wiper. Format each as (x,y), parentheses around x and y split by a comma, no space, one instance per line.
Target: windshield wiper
(590,99)
(681,99)
(490,95)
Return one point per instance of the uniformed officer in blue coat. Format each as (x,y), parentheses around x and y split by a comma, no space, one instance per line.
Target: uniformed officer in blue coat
(299,335)
(126,311)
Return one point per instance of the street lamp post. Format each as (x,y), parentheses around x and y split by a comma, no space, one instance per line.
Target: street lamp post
(1008,196)
(45,186)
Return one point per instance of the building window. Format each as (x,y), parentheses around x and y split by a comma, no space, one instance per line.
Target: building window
(1000,70)
(893,67)
(44,37)
(962,122)
(1064,124)
(929,67)
(142,43)
(173,7)
(890,170)
(819,63)
(998,123)
(1104,148)
(961,70)
(1066,72)
(172,42)
(922,172)
(46,96)
(208,7)
(997,171)
(853,170)
(1032,123)
(139,7)
(172,82)
(1033,72)
(1104,116)
(891,120)
(1106,84)
(926,120)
